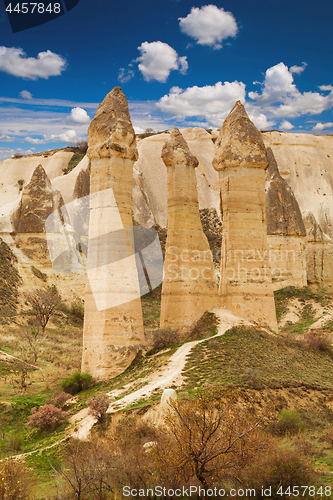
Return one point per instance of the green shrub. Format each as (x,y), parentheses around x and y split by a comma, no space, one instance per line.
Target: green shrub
(14,481)
(279,467)
(77,382)
(77,310)
(289,422)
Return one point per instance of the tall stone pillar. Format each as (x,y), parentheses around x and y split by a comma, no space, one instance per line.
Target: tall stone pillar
(113,326)
(189,287)
(240,158)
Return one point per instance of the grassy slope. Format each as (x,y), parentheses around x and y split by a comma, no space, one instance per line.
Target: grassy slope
(244,357)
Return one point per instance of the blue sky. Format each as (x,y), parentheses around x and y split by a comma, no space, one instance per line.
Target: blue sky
(179,63)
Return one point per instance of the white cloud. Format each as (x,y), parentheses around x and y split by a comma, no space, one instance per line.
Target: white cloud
(158,59)
(285,125)
(66,136)
(78,115)
(326,87)
(125,75)
(277,85)
(15,62)
(7,138)
(321,126)
(212,102)
(209,25)
(281,98)
(183,64)
(6,153)
(259,119)
(25,94)
(298,69)
(33,140)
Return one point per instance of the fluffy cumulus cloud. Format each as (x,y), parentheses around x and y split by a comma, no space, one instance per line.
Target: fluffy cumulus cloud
(320,126)
(212,102)
(15,62)
(285,125)
(34,140)
(66,136)
(79,116)
(25,94)
(209,25)
(158,59)
(280,97)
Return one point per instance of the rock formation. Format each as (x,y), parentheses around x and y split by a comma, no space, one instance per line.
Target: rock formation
(305,161)
(319,255)
(240,158)
(154,174)
(38,201)
(113,326)
(285,230)
(189,285)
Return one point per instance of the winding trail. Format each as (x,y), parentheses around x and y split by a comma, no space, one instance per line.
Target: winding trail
(168,375)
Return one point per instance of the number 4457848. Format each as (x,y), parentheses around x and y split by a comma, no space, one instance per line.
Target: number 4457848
(30,8)
(305,490)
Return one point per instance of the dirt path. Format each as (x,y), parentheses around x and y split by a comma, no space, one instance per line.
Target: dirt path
(168,375)
(4,356)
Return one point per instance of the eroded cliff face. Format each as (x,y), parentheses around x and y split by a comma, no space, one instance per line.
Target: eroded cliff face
(285,230)
(240,159)
(305,161)
(113,326)
(319,255)
(189,284)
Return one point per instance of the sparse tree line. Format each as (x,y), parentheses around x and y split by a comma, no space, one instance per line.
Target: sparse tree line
(210,441)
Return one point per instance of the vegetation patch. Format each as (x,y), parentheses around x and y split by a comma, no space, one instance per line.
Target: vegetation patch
(10,281)
(283,297)
(249,357)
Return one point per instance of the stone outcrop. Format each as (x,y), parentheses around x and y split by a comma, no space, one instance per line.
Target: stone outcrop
(285,230)
(305,161)
(189,285)
(319,255)
(38,201)
(240,158)
(113,326)
(82,184)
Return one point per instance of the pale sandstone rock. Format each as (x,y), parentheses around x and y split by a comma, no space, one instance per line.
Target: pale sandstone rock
(240,158)
(113,326)
(14,169)
(38,201)
(305,161)
(154,174)
(189,285)
(285,230)
(319,255)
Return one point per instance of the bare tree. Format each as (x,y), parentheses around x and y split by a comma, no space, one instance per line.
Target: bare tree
(43,302)
(207,438)
(22,378)
(32,338)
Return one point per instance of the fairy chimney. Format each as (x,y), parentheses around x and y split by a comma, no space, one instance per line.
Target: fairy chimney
(240,158)
(189,287)
(113,326)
